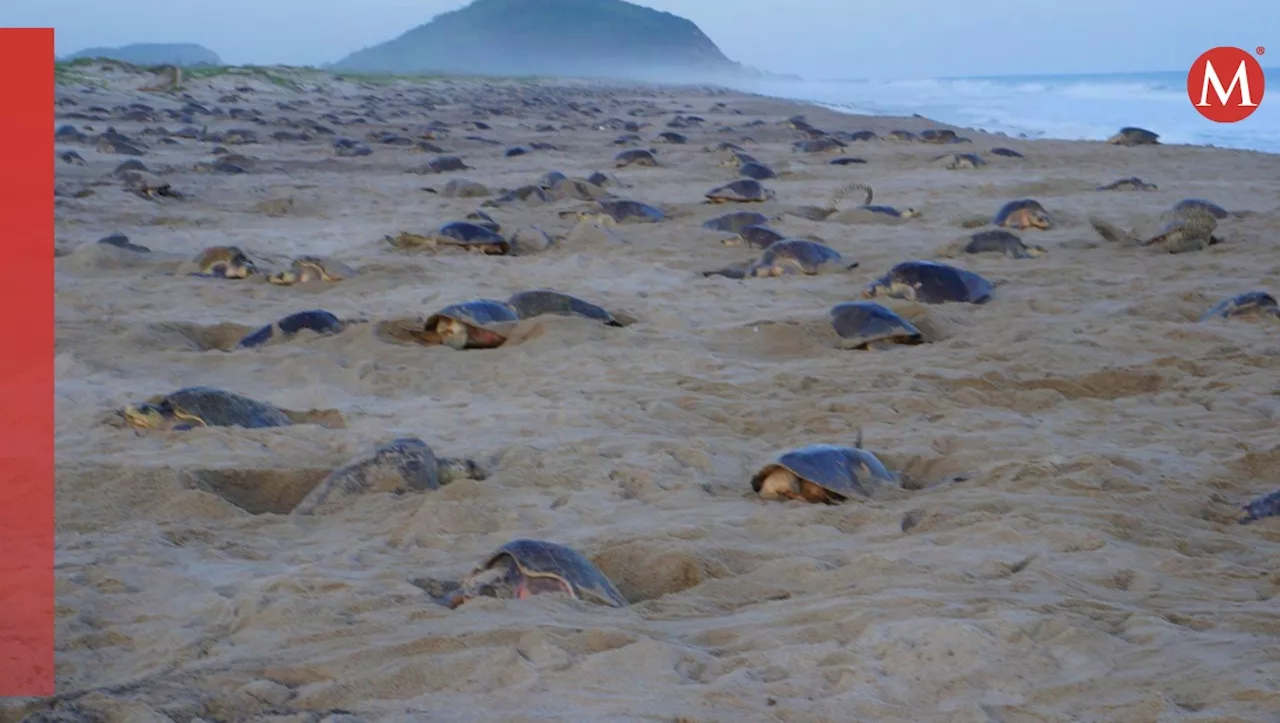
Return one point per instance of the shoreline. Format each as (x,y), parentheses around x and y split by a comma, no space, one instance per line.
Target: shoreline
(1074,453)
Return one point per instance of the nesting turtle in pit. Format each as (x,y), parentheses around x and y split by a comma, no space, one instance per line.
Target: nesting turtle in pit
(523,568)
(1184,228)
(757,236)
(537,302)
(743,190)
(736,221)
(1257,303)
(994,241)
(1133,183)
(1130,136)
(868,194)
(901,135)
(822,473)
(635,157)
(940,136)
(465,234)
(317,320)
(402,465)
(192,407)
(476,324)
(930,282)
(224,262)
(148,186)
(788,257)
(868,325)
(312,268)
(617,210)
(1023,215)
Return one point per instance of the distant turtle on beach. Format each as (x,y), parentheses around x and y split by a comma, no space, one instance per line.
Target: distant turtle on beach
(635,157)
(317,320)
(998,241)
(900,135)
(1023,214)
(523,568)
(476,324)
(1006,152)
(930,282)
(788,257)
(537,302)
(868,325)
(743,190)
(1133,183)
(1130,136)
(825,144)
(868,194)
(959,161)
(757,171)
(469,235)
(941,136)
(1265,506)
(610,211)
(312,268)
(736,221)
(224,262)
(1188,226)
(822,473)
(757,236)
(402,465)
(1255,304)
(192,407)
(846,161)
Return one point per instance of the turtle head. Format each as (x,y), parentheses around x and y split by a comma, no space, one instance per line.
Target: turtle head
(452,332)
(503,578)
(909,213)
(1034,218)
(451,469)
(160,416)
(284,278)
(779,483)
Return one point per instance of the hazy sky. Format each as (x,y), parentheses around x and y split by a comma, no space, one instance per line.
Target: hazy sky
(814,38)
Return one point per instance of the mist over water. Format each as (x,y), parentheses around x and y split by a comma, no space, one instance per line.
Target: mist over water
(1073,107)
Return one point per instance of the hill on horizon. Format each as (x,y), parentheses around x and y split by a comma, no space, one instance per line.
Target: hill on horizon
(598,38)
(144,54)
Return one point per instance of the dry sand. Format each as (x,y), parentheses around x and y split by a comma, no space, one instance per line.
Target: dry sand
(1082,443)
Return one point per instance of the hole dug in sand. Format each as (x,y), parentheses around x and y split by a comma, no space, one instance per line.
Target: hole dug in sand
(193,337)
(259,491)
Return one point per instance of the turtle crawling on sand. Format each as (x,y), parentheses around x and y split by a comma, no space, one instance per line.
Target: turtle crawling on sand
(788,257)
(959,161)
(868,193)
(1130,136)
(1256,303)
(1188,226)
(476,324)
(470,235)
(822,473)
(930,282)
(407,464)
(998,241)
(317,320)
(635,157)
(757,236)
(743,190)
(1023,214)
(192,407)
(537,302)
(523,568)
(1262,507)
(868,325)
(1133,183)
(224,262)
(610,211)
(312,268)
(735,222)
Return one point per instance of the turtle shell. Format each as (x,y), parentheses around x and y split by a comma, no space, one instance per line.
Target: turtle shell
(541,558)
(862,323)
(474,235)
(537,302)
(326,269)
(1200,205)
(551,178)
(760,236)
(743,190)
(756,171)
(409,460)
(930,282)
(1008,212)
(803,255)
(1000,241)
(624,210)
(220,408)
(317,320)
(841,470)
(1131,136)
(736,221)
(494,318)
(941,135)
(1250,302)
(635,157)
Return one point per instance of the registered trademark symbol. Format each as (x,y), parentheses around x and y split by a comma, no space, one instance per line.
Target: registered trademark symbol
(1261,50)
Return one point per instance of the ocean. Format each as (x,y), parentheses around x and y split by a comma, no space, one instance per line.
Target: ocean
(1075,107)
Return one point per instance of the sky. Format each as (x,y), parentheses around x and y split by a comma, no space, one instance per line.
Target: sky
(817,39)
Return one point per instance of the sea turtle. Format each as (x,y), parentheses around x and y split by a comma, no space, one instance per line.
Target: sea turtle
(476,324)
(788,257)
(671,137)
(635,157)
(867,325)
(407,464)
(515,151)
(736,221)
(1006,152)
(1130,136)
(618,210)
(192,407)
(847,161)
(523,568)
(825,473)
(147,185)
(224,262)
(536,302)
(757,171)
(738,160)
(901,135)
(1265,506)
(1133,183)
(757,236)
(472,236)
(121,241)
(1184,228)
(862,136)
(480,218)
(833,206)
(530,193)
(1023,214)
(959,161)
(464,188)
(743,190)
(1195,205)
(1256,303)
(578,188)
(940,136)
(312,268)
(930,282)
(997,241)
(549,179)
(317,320)
(825,144)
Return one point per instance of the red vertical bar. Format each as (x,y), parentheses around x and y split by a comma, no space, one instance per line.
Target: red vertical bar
(26,363)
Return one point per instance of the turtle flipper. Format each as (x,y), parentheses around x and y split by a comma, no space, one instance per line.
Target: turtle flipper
(1110,232)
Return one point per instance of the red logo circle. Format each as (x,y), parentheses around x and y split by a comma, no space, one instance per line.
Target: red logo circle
(1226,84)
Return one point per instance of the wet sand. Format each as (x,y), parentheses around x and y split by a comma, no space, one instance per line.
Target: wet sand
(1076,450)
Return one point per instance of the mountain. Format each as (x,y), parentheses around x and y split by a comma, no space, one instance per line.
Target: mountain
(154,54)
(576,38)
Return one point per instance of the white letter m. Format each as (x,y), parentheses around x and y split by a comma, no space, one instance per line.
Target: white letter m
(1241,78)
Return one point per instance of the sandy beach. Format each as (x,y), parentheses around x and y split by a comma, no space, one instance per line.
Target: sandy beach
(1073,453)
